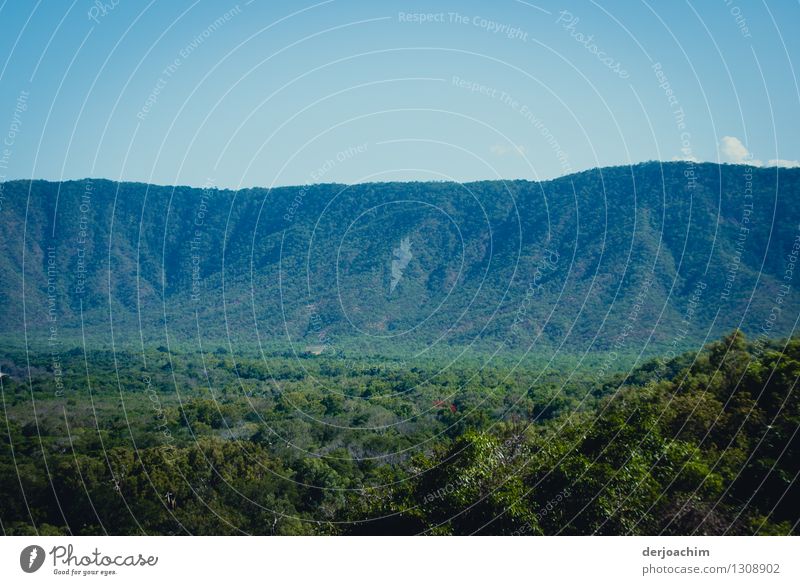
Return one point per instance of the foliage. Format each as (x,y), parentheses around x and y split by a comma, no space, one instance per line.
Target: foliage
(706,445)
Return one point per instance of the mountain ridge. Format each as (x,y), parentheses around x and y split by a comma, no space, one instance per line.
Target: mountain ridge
(645,163)
(502,264)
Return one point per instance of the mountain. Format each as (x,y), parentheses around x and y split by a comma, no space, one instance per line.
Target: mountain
(651,257)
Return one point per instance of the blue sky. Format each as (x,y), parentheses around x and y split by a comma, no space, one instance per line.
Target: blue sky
(276,93)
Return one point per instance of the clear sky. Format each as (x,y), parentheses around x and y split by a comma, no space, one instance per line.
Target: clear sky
(268,93)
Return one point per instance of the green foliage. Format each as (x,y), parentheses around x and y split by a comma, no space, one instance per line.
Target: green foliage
(506,264)
(713,450)
(358,448)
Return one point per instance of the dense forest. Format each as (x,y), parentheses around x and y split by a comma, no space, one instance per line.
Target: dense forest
(201,443)
(390,269)
(499,357)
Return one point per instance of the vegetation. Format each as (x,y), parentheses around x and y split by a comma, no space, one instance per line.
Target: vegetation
(205,444)
(502,357)
(493,265)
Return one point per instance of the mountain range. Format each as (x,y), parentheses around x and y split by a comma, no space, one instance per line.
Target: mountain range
(655,257)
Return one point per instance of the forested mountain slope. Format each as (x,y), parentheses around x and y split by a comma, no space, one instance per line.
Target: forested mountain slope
(607,259)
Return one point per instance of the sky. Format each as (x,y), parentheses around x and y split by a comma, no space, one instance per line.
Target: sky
(266,93)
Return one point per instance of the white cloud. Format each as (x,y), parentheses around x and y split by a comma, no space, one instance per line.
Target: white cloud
(503,150)
(732,149)
(782,162)
(685,158)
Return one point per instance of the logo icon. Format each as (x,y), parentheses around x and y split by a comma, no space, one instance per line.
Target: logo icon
(31,558)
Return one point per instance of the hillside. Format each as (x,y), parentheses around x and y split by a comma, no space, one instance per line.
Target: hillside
(660,256)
